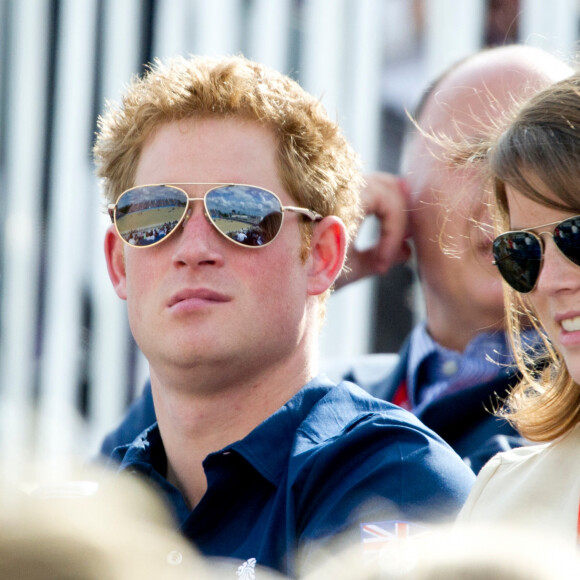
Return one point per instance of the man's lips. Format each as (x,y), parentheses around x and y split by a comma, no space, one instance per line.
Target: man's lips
(197,294)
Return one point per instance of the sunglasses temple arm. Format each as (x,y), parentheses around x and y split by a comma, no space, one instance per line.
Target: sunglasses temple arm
(311,215)
(111,211)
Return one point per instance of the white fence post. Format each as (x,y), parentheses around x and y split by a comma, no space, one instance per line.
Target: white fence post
(108,372)
(341,64)
(21,236)
(551,25)
(68,234)
(453,30)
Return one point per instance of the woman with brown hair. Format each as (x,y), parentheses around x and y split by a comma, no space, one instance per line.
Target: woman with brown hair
(535,171)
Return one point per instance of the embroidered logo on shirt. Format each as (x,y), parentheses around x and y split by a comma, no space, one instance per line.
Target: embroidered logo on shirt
(247,571)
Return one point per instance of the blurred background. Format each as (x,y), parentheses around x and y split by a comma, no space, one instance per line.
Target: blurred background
(68,365)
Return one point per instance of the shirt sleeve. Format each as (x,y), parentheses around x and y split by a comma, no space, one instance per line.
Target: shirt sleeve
(379,470)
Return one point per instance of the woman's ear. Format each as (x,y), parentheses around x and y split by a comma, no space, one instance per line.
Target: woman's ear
(114,255)
(327,254)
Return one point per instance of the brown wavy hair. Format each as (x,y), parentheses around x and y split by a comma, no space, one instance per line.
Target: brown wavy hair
(539,156)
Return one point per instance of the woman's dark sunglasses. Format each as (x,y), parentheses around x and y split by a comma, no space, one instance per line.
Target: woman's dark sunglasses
(246,215)
(519,254)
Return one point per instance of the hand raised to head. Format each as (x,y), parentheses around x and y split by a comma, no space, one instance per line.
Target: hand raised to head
(385,197)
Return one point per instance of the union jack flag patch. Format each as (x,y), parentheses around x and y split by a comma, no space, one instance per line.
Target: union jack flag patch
(376,537)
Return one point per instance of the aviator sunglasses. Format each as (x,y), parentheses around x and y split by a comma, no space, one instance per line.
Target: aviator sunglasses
(518,255)
(247,215)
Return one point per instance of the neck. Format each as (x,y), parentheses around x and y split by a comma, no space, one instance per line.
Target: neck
(455,332)
(203,411)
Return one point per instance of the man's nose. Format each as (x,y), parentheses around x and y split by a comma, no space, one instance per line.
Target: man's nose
(198,241)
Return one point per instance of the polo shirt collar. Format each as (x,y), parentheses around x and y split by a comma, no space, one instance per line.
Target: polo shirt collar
(147,451)
(273,433)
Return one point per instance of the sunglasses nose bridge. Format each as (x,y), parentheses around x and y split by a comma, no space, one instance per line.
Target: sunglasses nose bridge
(191,209)
(554,239)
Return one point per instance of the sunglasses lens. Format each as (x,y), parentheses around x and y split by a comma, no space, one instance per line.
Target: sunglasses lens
(248,215)
(518,256)
(567,238)
(145,215)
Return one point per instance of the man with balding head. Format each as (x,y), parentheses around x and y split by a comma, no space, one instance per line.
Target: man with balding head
(455,363)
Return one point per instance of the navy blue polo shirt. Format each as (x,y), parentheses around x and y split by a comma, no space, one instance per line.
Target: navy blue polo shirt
(331,458)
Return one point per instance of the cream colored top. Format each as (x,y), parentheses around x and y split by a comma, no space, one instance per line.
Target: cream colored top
(536,486)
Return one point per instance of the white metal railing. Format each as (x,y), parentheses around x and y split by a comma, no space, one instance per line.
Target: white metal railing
(25,121)
(53,272)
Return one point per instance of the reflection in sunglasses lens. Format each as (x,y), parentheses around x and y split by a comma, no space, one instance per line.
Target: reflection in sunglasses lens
(146,215)
(567,238)
(518,257)
(247,215)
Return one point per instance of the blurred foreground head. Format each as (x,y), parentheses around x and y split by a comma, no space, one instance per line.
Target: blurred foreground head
(459,553)
(121,531)
(450,228)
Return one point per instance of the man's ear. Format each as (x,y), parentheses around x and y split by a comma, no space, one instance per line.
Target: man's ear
(116,262)
(327,254)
